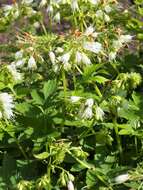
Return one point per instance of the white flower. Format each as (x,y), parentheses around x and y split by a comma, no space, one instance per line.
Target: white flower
(36,24)
(0,114)
(106,18)
(14,73)
(75,99)
(99,113)
(78,57)
(99,14)
(55,68)
(27,1)
(20,63)
(59,50)
(57,17)
(6,105)
(90,31)
(85,59)
(32,63)
(33,12)
(74,5)
(121,178)
(125,38)
(70,185)
(7,9)
(94,2)
(107,9)
(52,57)
(89,102)
(49,9)
(95,47)
(112,55)
(67,66)
(87,113)
(43,3)
(65,58)
(19,54)
(117,44)
(57,1)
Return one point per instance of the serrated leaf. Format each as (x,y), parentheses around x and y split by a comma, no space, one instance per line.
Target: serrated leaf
(49,88)
(36,97)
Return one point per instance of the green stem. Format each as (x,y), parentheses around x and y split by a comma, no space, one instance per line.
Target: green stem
(49,170)
(21,149)
(78,69)
(62,169)
(79,161)
(64,84)
(74,81)
(75,20)
(119,145)
(17,142)
(136,144)
(12,90)
(44,28)
(98,91)
(101,179)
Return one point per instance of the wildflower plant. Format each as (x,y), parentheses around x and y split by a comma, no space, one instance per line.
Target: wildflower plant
(70,100)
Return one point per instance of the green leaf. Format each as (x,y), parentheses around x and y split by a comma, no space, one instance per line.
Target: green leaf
(99,79)
(77,167)
(36,97)
(42,155)
(49,88)
(126,132)
(27,109)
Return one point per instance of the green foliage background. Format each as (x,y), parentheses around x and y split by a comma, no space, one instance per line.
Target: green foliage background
(48,142)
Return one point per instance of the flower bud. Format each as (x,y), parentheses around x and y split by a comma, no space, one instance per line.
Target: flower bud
(121,178)
(52,57)
(32,63)
(70,185)
(57,17)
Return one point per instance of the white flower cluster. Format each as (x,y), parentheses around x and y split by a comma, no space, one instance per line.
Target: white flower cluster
(90,31)
(82,57)
(32,63)
(12,10)
(55,59)
(79,55)
(16,76)
(20,61)
(99,113)
(103,14)
(117,44)
(74,5)
(123,39)
(88,114)
(6,106)
(94,47)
